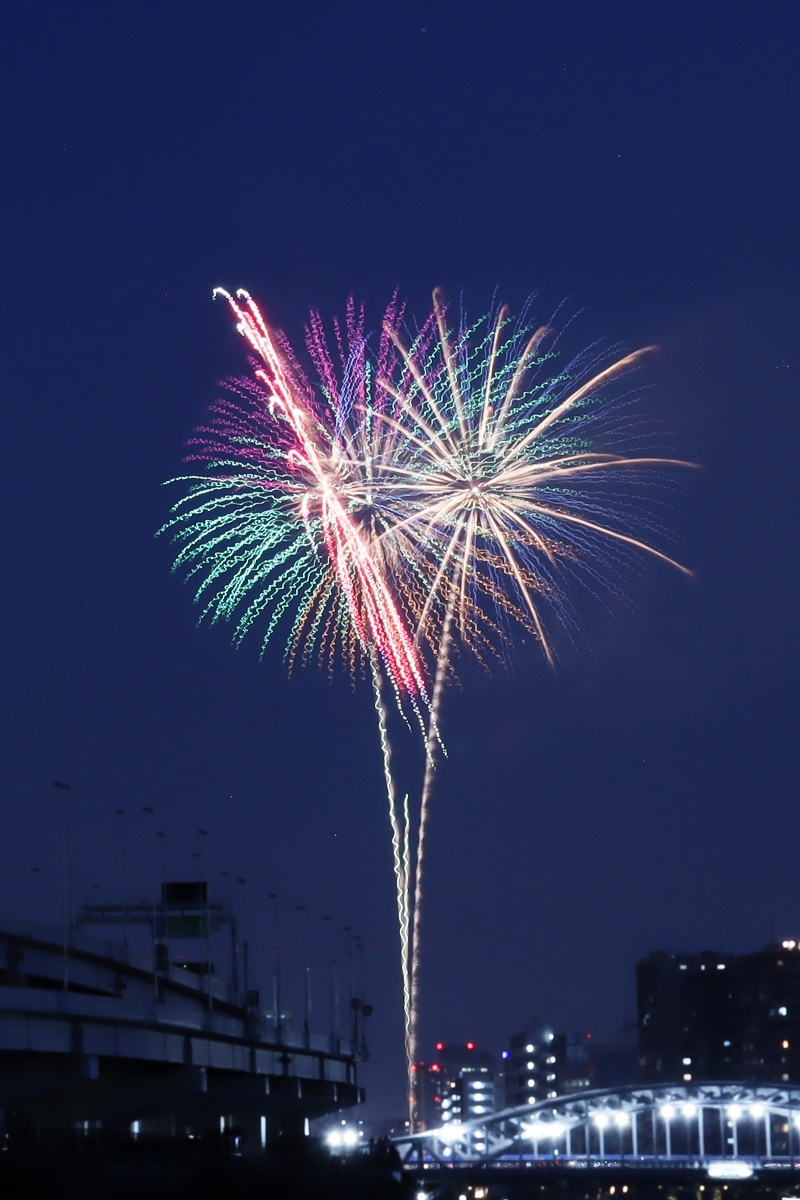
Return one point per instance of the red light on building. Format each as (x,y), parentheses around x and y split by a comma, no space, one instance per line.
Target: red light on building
(435,1067)
(440,1045)
(470,1045)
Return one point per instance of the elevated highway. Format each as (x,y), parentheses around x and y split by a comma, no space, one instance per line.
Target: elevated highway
(89,1039)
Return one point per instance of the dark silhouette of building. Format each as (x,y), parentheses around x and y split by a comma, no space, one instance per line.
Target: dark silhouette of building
(711,1016)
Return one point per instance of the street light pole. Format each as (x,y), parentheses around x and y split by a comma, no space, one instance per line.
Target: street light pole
(66,871)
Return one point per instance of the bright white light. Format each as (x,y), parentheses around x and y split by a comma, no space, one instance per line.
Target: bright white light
(782,1011)
(687,1062)
(732,1168)
(667,1112)
(422,1196)
(537,1131)
(334,1139)
(529,1049)
(530,1066)
(600,1119)
(621,1120)
(451,1133)
(350,1138)
(756,1110)
(796,1119)
(735,1112)
(689,1109)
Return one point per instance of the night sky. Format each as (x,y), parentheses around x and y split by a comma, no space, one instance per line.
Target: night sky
(637,162)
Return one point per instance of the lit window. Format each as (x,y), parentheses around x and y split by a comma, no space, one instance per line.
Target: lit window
(785,1044)
(529,1049)
(687,1062)
(530,1066)
(687,1078)
(720,966)
(531,1083)
(782,1011)
(551,1059)
(683,966)
(531,1099)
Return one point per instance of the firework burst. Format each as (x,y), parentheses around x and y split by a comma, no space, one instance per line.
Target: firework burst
(428,495)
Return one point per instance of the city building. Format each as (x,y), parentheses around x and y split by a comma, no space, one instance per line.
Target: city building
(542,1064)
(710,1016)
(536,1065)
(457,1086)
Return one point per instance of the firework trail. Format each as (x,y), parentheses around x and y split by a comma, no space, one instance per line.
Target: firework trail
(282,525)
(422,502)
(496,479)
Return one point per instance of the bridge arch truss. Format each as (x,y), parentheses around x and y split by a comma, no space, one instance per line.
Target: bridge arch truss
(634,1126)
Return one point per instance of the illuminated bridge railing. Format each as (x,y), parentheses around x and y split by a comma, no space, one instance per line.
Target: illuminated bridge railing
(727,1130)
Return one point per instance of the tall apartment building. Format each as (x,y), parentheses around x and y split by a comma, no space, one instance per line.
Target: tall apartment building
(458,1085)
(535,1065)
(711,1016)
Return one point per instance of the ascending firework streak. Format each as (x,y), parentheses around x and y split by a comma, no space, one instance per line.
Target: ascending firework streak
(496,487)
(283,521)
(430,499)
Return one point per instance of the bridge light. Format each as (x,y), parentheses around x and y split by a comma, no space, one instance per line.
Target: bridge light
(537,1131)
(452,1133)
(600,1119)
(689,1109)
(734,1112)
(667,1112)
(756,1110)
(621,1120)
(730,1169)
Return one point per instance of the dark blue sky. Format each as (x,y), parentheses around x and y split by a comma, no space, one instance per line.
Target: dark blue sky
(639,161)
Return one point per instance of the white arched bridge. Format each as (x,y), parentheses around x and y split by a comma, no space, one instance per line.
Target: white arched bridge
(721,1130)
